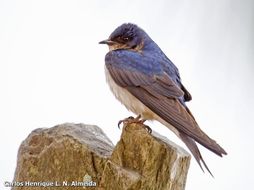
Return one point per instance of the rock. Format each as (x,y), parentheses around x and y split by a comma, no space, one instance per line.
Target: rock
(162,164)
(79,156)
(63,153)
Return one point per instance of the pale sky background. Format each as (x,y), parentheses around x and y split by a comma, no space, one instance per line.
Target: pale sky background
(52,71)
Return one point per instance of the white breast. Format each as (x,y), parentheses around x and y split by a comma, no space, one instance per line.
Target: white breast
(127,99)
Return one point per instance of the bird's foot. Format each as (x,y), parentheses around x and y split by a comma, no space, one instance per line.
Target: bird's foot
(125,121)
(147,128)
(138,120)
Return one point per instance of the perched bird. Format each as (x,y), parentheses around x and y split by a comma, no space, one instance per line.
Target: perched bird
(142,78)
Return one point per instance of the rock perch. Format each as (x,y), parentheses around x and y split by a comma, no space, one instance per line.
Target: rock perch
(78,156)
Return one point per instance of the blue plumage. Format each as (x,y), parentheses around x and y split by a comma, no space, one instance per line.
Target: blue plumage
(134,61)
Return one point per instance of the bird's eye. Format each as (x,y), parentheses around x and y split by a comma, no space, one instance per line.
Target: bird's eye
(122,39)
(125,39)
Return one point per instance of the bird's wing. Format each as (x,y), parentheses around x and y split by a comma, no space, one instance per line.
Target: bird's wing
(160,86)
(160,94)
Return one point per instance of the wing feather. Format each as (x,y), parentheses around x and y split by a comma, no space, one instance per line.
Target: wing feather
(157,84)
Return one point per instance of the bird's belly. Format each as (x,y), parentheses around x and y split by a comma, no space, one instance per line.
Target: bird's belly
(128,100)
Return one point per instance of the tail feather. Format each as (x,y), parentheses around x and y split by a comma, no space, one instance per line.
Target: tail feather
(214,146)
(190,143)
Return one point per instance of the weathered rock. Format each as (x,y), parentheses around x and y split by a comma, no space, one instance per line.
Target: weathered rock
(69,155)
(162,164)
(63,153)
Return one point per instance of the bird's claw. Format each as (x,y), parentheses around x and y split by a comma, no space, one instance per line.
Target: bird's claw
(135,120)
(126,120)
(148,129)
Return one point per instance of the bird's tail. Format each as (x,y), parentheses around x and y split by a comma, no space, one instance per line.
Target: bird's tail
(215,148)
(191,144)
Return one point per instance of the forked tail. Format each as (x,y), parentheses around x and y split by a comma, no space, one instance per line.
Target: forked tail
(191,144)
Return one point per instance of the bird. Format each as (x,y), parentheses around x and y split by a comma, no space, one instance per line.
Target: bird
(148,84)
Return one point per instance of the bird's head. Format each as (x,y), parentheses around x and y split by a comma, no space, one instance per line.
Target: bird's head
(127,36)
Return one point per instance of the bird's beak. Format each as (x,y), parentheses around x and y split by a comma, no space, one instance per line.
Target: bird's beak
(108,42)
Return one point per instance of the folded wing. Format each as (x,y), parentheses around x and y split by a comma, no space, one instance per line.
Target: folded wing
(160,93)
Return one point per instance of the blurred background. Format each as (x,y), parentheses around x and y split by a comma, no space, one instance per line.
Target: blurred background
(52,71)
